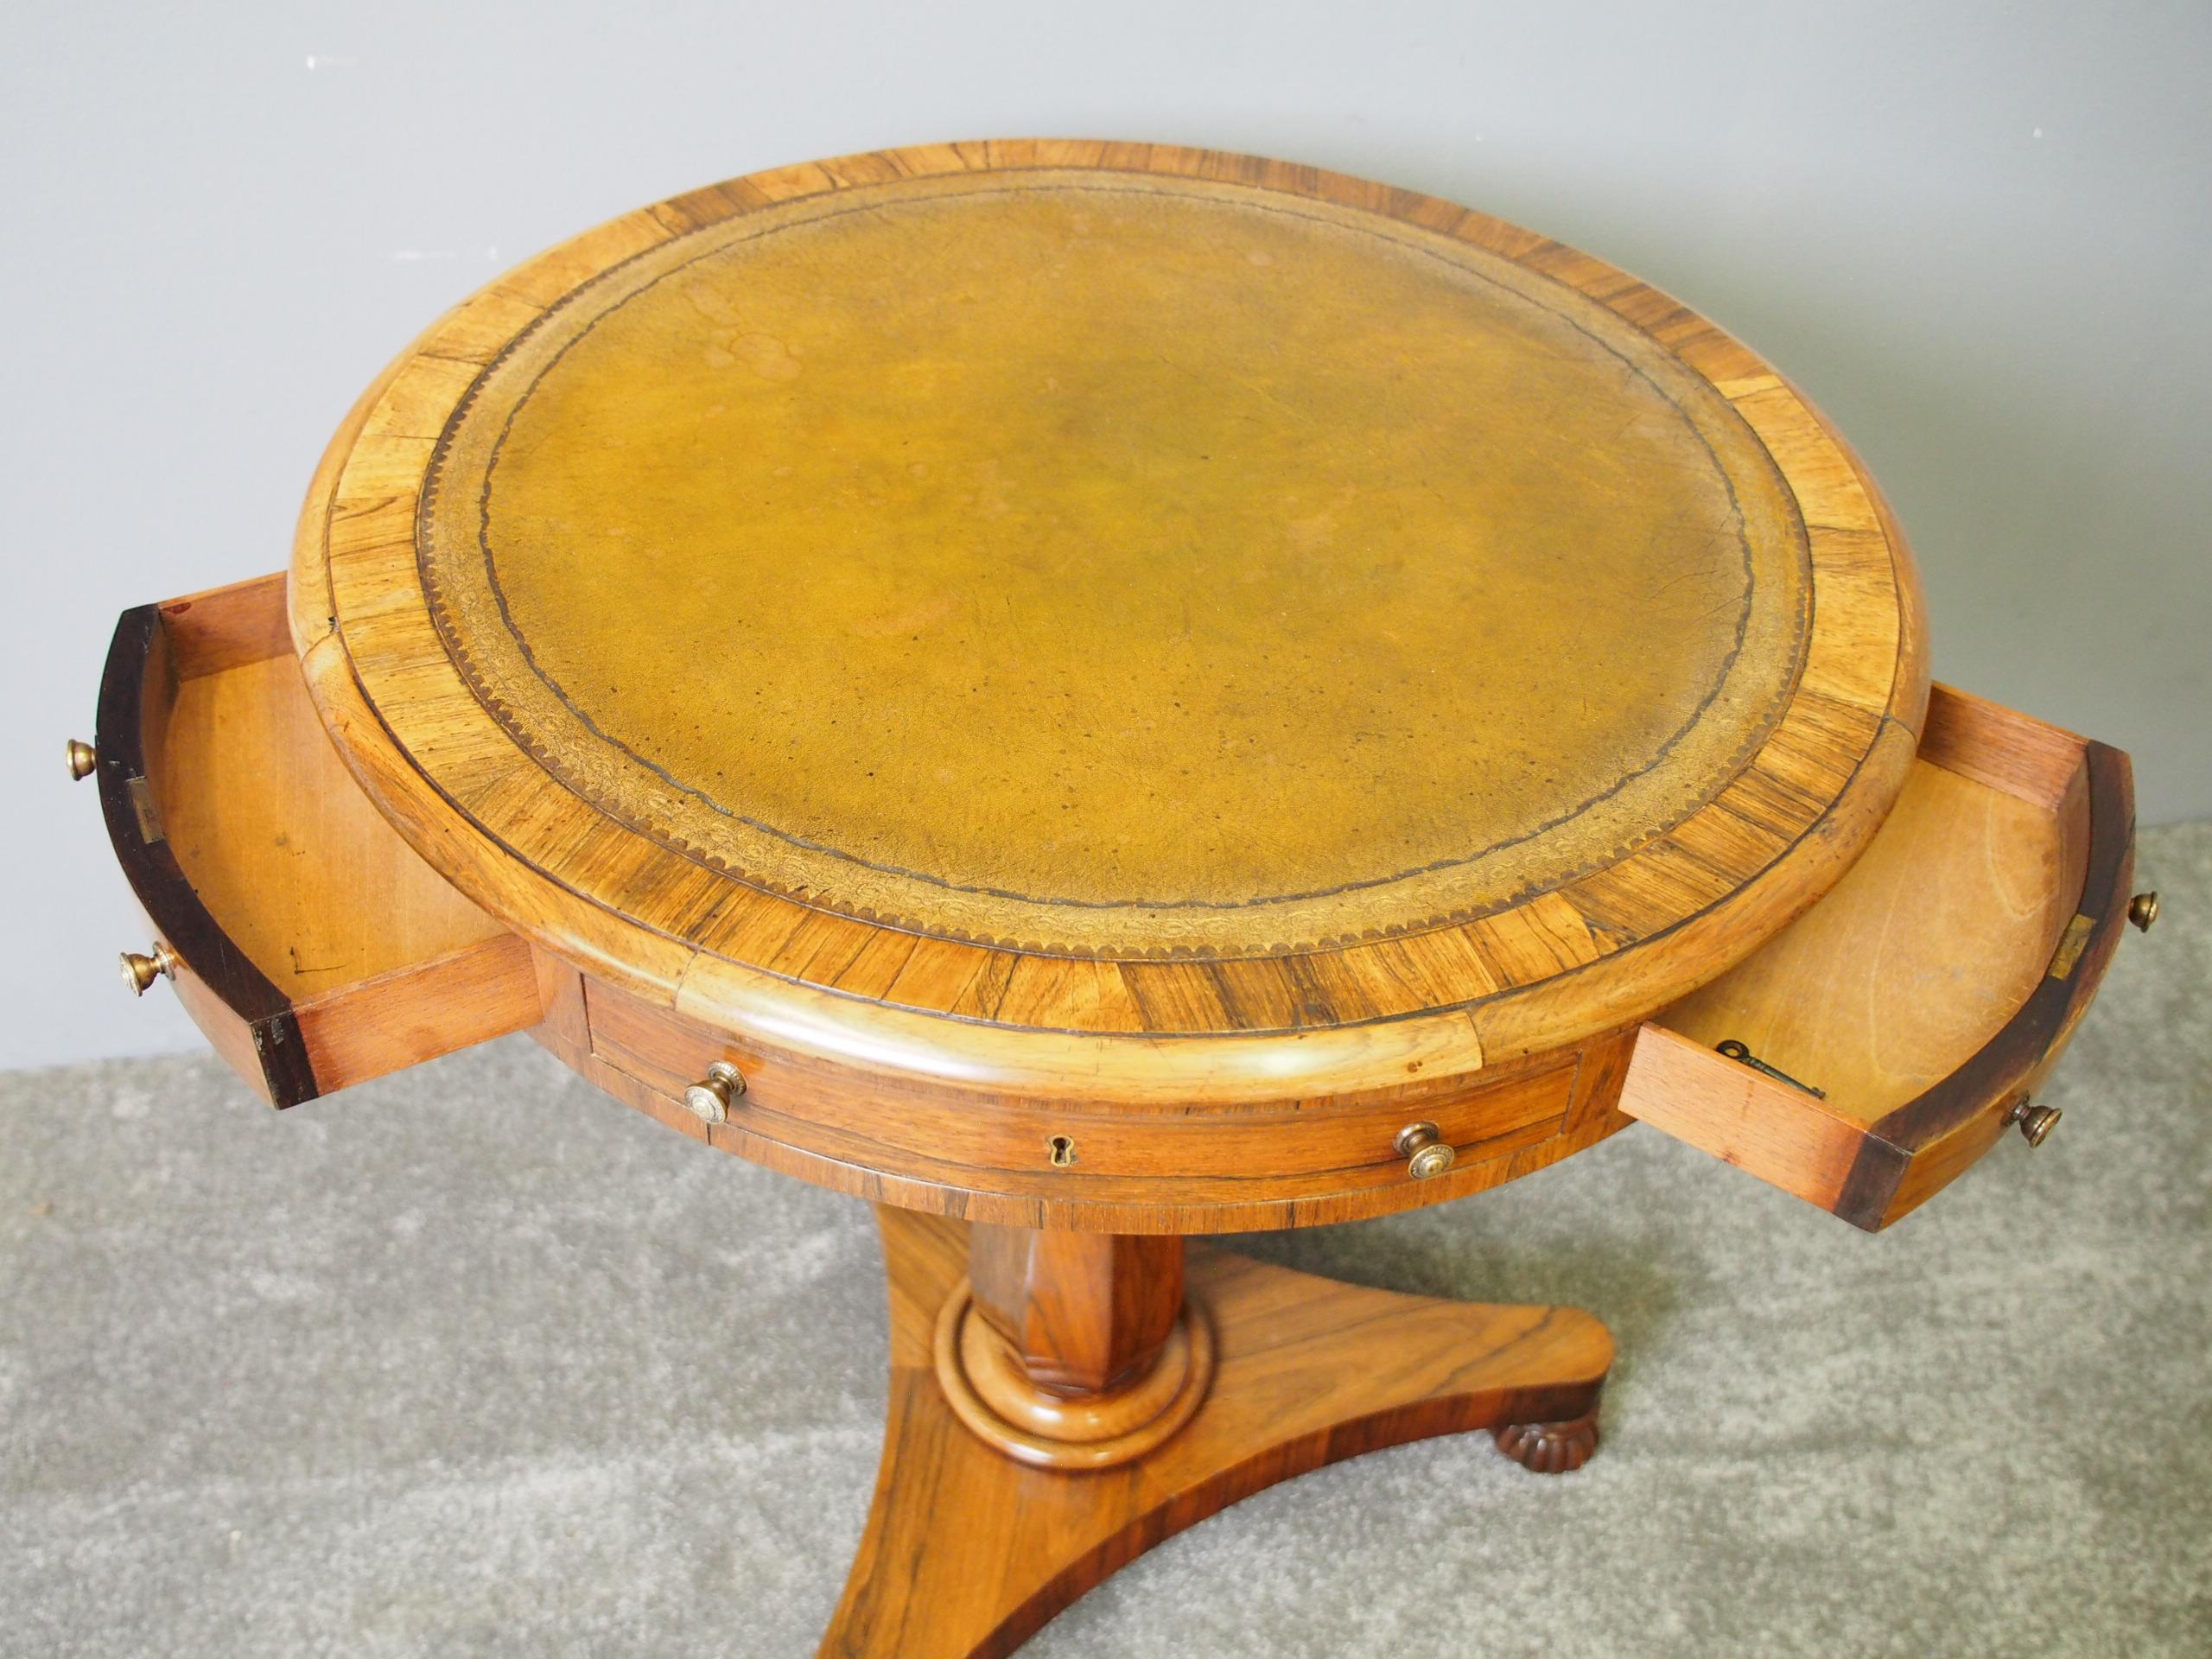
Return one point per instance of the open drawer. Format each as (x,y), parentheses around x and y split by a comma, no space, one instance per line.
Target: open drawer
(307,940)
(1927,993)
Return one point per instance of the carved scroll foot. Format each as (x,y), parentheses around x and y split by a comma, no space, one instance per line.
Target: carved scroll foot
(1550,1448)
(968,1551)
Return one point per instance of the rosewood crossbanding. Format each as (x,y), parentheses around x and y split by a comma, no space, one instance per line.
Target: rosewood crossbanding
(1094,694)
(1091,645)
(459,738)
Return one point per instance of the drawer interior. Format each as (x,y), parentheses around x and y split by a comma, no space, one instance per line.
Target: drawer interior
(1924,995)
(279,841)
(316,949)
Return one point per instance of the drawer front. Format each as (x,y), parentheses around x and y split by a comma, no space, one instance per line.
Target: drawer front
(989,1143)
(1926,996)
(309,942)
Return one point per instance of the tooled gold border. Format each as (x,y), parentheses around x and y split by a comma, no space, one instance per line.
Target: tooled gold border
(470,612)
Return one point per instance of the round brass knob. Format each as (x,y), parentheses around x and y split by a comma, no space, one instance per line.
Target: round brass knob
(708,1099)
(139,972)
(2036,1122)
(2143,910)
(1426,1153)
(82,759)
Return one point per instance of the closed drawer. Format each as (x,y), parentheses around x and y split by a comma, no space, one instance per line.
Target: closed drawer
(1287,1149)
(310,944)
(1928,993)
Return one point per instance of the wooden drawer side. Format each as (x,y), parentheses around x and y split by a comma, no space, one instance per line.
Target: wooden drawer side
(1927,993)
(316,949)
(1919,1148)
(250,1023)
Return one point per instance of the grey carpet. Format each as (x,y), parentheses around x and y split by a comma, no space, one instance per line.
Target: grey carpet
(475,1361)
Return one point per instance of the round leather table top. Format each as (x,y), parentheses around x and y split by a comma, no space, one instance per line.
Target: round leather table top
(1115,591)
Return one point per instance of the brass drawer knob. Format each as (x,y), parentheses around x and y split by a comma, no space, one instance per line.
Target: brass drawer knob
(1426,1153)
(2143,910)
(709,1098)
(2036,1122)
(139,972)
(82,759)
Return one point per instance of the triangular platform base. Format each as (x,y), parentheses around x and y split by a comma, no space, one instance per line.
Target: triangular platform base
(968,1552)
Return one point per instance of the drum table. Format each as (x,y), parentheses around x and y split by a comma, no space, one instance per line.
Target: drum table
(1091,693)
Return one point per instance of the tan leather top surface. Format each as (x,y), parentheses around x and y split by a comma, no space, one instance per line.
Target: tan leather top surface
(1115,564)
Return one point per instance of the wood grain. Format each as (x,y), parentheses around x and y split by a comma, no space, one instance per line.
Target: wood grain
(319,950)
(1189,1201)
(1309,1373)
(1930,943)
(1258,1157)
(1993,744)
(1660,914)
(1783,1136)
(1205,1088)
(1941,1131)
(418,1011)
(274,836)
(1081,1311)
(1063,707)
(226,627)
(1927,992)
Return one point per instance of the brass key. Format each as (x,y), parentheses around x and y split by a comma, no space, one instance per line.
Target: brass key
(1736,1051)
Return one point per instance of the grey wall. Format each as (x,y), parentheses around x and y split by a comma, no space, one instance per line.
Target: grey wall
(1976,235)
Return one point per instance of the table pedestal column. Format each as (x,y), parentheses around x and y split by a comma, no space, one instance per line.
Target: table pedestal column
(1016,1357)
(1072,1350)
